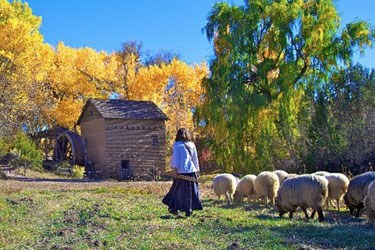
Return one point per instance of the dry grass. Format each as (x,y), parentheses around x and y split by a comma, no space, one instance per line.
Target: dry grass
(55,184)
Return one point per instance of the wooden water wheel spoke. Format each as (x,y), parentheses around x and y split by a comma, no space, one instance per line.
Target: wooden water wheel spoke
(69,147)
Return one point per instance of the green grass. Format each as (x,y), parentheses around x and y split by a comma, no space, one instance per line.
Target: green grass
(131,216)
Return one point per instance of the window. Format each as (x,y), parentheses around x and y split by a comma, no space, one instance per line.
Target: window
(125,164)
(91,113)
(155,141)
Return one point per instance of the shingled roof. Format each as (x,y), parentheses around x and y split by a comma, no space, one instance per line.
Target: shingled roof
(124,109)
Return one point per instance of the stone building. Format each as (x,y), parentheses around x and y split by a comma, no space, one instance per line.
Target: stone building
(124,139)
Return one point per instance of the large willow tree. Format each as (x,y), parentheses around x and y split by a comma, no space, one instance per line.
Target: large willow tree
(266,53)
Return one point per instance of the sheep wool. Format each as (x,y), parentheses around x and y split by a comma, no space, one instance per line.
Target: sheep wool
(369,202)
(245,188)
(291,176)
(281,174)
(266,185)
(225,184)
(321,173)
(305,191)
(337,186)
(357,192)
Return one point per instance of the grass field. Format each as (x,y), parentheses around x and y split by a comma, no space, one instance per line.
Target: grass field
(130,215)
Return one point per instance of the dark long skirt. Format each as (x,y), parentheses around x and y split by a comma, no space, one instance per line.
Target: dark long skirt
(184,196)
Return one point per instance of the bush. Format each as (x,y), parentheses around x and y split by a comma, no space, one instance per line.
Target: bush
(29,154)
(4,146)
(78,172)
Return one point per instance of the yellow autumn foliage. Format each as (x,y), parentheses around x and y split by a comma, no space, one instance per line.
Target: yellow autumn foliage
(48,86)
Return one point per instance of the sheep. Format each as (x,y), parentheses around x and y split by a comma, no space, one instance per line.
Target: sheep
(237,180)
(369,202)
(357,191)
(224,184)
(305,191)
(321,173)
(266,185)
(245,188)
(281,174)
(291,176)
(337,186)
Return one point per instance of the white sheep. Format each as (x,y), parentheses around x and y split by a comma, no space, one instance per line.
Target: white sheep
(290,176)
(321,173)
(357,192)
(337,186)
(225,184)
(237,179)
(266,185)
(245,188)
(281,174)
(369,202)
(304,191)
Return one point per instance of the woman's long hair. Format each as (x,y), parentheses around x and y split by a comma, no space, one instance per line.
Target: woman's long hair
(183,135)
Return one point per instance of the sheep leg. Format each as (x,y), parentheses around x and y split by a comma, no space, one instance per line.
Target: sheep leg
(351,210)
(356,212)
(290,215)
(313,214)
(338,204)
(359,207)
(218,196)
(332,203)
(305,211)
(228,199)
(327,204)
(320,215)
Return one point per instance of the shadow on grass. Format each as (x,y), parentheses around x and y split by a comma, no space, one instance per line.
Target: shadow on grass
(326,235)
(172,217)
(216,203)
(27,179)
(338,231)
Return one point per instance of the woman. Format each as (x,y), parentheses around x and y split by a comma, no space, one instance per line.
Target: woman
(184,194)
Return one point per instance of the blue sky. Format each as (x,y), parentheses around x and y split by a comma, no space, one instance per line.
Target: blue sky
(173,25)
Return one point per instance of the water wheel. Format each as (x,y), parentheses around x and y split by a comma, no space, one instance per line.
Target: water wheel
(69,148)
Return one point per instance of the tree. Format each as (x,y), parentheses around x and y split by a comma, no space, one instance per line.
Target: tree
(77,75)
(341,132)
(265,53)
(129,62)
(24,61)
(161,57)
(175,87)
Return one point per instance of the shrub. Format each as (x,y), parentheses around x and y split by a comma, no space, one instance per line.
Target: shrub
(4,146)
(78,172)
(29,153)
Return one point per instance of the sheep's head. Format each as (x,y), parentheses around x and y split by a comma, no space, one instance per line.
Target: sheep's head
(236,197)
(348,204)
(280,208)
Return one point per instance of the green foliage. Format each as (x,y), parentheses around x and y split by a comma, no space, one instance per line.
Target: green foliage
(340,134)
(29,153)
(78,172)
(4,146)
(266,53)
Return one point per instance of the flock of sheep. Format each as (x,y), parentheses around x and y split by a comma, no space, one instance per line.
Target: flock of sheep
(290,191)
